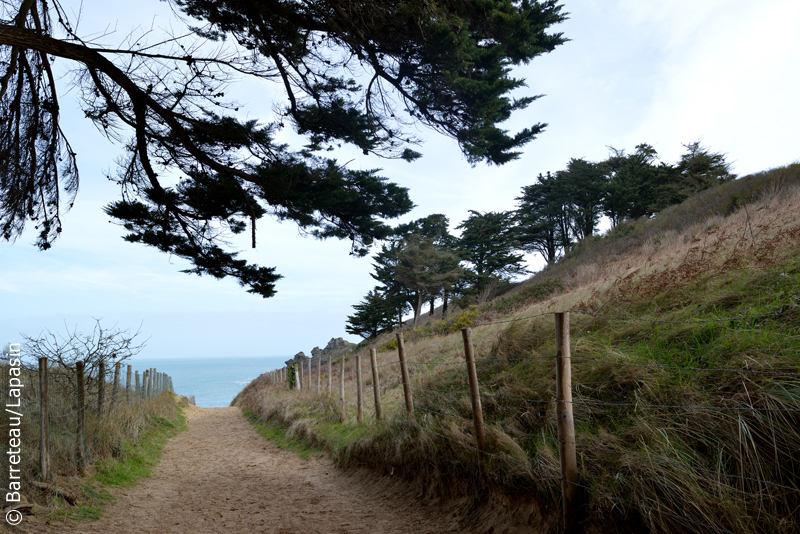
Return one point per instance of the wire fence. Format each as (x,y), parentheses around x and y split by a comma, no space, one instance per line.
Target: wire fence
(781,488)
(60,420)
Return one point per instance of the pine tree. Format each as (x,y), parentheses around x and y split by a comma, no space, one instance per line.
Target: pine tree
(426,270)
(397,295)
(374,315)
(633,184)
(540,218)
(488,243)
(195,172)
(436,228)
(700,168)
(583,186)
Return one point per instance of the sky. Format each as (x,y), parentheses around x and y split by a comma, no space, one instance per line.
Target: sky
(667,73)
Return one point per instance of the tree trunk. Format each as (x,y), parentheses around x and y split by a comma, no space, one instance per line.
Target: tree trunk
(418,309)
(444,304)
(433,300)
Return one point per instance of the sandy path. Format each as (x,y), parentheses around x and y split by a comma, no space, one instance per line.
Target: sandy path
(220,476)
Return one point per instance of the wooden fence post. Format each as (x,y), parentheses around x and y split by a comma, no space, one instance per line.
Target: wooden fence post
(138,386)
(298,376)
(376,385)
(116,387)
(128,385)
(44,423)
(101,389)
(319,372)
(341,384)
(401,353)
(359,399)
(81,445)
(475,394)
(566,423)
(330,377)
(146,384)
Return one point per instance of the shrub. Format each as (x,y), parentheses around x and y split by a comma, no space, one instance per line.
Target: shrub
(389,345)
(464,319)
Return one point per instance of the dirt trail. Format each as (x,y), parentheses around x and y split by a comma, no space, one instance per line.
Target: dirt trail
(220,476)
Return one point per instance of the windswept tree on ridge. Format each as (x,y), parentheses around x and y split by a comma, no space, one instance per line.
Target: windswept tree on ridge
(541,219)
(374,315)
(564,207)
(426,269)
(489,245)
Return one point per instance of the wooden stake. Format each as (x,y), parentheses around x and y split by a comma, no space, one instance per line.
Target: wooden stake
(376,386)
(330,376)
(44,422)
(401,353)
(360,417)
(475,394)
(308,367)
(319,372)
(341,384)
(115,394)
(101,388)
(81,445)
(566,423)
(128,385)
(138,386)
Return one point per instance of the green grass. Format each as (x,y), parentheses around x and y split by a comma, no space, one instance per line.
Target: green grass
(280,437)
(98,497)
(135,462)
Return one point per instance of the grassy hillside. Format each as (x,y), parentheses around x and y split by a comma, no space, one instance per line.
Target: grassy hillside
(685,338)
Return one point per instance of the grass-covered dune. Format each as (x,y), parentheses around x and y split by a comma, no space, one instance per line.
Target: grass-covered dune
(685,339)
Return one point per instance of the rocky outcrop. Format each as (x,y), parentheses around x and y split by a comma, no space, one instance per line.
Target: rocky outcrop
(337,343)
(335,348)
(300,357)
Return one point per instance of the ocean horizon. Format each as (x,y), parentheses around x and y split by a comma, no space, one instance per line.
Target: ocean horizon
(214,382)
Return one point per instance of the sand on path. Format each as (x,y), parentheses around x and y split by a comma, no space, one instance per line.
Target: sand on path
(220,476)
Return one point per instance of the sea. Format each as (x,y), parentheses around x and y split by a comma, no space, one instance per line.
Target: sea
(214,382)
